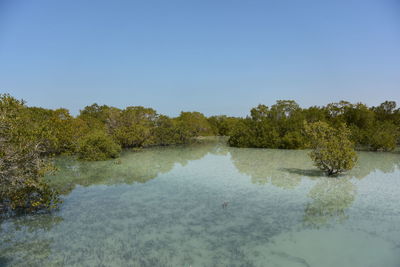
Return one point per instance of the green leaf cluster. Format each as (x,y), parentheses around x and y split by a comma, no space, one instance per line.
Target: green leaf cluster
(280,126)
(22,167)
(98,146)
(332,149)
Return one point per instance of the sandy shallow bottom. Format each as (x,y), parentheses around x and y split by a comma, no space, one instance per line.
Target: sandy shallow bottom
(163,207)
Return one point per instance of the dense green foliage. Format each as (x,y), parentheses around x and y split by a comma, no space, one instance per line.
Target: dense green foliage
(332,149)
(22,168)
(223,125)
(282,125)
(98,146)
(277,127)
(58,132)
(137,126)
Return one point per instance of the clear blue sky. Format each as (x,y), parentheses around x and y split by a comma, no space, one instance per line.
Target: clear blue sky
(213,56)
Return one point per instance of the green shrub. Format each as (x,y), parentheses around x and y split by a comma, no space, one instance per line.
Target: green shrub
(98,146)
(293,140)
(22,184)
(242,135)
(170,132)
(195,123)
(382,136)
(333,152)
(133,127)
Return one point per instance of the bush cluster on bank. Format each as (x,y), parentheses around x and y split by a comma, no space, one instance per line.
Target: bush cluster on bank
(282,125)
(29,136)
(98,146)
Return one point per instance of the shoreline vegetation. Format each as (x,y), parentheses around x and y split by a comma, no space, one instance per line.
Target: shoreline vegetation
(31,136)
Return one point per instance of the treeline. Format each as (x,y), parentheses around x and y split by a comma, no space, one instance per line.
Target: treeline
(134,127)
(282,125)
(99,132)
(29,136)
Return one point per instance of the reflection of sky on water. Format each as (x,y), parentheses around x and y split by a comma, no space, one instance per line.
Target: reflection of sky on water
(281,211)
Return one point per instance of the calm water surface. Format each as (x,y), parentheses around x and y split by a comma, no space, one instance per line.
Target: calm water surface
(163,207)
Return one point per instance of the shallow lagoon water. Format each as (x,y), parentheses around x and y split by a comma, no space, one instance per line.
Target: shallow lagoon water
(163,207)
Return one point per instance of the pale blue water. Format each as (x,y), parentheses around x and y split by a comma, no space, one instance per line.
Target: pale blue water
(163,207)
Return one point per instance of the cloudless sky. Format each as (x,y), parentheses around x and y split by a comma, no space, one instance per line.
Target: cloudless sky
(212,56)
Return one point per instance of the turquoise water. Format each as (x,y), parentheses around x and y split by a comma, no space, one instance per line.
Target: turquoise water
(163,207)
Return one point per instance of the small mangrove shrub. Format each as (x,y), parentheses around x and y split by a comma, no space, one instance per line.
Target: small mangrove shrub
(332,150)
(98,146)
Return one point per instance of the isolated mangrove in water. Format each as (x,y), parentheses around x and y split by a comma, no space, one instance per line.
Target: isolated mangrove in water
(332,150)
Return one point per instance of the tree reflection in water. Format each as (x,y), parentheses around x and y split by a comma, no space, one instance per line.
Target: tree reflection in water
(268,165)
(137,167)
(331,197)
